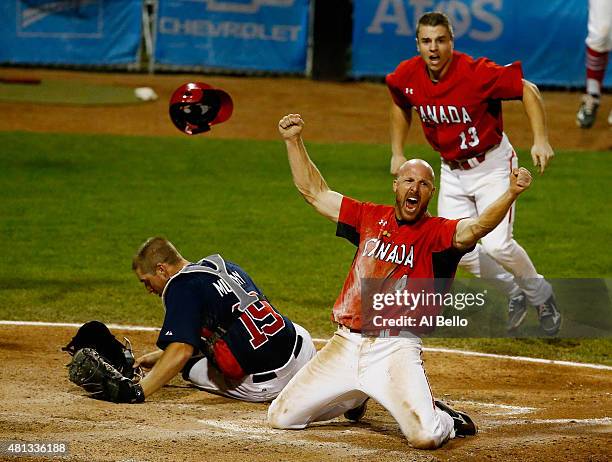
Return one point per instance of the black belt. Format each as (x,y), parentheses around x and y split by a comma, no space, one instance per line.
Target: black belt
(260,378)
(464,164)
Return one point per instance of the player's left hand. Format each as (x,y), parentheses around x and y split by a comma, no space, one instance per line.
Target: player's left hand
(520,180)
(542,153)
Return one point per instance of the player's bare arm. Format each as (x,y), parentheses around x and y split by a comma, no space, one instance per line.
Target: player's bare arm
(541,151)
(400,125)
(306,175)
(170,363)
(470,230)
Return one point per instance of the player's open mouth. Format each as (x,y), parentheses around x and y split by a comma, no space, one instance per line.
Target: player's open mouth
(411,203)
(434,59)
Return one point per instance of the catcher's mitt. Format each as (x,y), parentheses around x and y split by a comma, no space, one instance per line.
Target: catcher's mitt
(95,334)
(89,370)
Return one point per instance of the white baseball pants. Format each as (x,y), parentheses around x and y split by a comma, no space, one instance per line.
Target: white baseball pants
(212,380)
(466,193)
(599,36)
(348,370)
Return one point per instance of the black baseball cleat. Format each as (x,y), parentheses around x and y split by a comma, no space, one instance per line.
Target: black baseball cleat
(549,316)
(464,425)
(517,310)
(358,412)
(585,118)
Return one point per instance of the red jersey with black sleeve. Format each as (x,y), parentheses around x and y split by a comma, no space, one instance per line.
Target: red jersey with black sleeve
(461,114)
(390,249)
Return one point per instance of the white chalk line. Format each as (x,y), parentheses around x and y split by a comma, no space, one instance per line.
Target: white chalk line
(508,410)
(77,325)
(262,433)
(503,409)
(526,359)
(321,340)
(577,422)
(600,421)
(285,437)
(235,427)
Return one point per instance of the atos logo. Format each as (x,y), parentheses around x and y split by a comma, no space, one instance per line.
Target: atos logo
(244,6)
(59,18)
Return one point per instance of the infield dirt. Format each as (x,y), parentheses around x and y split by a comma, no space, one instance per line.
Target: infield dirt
(526,412)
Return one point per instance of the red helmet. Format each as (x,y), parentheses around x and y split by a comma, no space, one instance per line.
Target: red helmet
(195,106)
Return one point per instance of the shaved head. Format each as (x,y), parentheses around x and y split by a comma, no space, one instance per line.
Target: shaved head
(418,164)
(413,187)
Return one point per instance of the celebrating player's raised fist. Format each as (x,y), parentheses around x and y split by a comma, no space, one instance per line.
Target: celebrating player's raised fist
(290,126)
(520,180)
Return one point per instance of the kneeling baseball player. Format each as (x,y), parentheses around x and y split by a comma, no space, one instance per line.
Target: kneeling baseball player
(219,329)
(352,367)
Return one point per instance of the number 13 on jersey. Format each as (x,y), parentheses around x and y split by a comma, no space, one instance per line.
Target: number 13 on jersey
(471,139)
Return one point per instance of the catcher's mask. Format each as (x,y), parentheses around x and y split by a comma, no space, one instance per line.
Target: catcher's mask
(96,335)
(195,106)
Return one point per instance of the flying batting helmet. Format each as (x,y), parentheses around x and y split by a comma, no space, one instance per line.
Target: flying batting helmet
(195,106)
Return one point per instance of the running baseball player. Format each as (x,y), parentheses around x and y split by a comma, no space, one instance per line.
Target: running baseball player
(598,46)
(352,367)
(219,329)
(458,100)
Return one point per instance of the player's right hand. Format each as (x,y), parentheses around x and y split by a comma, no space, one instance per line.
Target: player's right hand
(520,180)
(290,126)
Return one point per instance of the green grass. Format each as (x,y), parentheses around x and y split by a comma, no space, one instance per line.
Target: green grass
(75,208)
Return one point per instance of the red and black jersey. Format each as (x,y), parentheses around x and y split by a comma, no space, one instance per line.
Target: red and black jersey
(390,249)
(461,114)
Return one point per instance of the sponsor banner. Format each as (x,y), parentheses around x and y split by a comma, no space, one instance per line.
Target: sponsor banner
(466,308)
(76,32)
(259,35)
(548,37)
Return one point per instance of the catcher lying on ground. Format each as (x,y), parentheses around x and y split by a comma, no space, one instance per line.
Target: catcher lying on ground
(219,330)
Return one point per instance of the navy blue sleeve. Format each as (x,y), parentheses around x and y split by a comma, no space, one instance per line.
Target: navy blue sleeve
(349,220)
(183,314)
